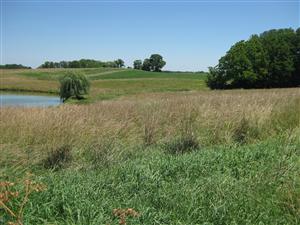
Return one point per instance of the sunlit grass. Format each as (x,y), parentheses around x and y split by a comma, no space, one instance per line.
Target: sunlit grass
(166,148)
(107,83)
(216,119)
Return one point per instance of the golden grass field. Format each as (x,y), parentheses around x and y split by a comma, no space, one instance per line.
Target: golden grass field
(213,117)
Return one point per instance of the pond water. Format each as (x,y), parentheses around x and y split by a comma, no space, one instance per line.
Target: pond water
(28,100)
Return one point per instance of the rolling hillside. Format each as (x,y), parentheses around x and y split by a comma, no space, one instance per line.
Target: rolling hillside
(106,83)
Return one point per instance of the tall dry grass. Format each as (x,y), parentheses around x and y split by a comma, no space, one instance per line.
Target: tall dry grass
(215,117)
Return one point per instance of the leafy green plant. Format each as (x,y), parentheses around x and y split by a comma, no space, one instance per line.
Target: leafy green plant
(73,84)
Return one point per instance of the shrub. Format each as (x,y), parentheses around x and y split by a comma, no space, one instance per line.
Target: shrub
(187,140)
(182,145)
(73,85)
(58,158)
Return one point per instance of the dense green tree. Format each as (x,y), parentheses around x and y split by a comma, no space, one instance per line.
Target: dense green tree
(46,64)
(146,65)
(119,63)
(279,46)
(137,64)
(154,63)
(259,60)
(216,78)
(14,66)
(73,84)
(56,65)
(110,64)
(82,63)
(74,64)
(157,62)
(64,64)
(268,60)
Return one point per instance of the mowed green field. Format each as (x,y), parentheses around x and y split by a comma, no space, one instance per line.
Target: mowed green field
(106,83)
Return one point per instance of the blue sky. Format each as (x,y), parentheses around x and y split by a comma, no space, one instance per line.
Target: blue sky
(190,35)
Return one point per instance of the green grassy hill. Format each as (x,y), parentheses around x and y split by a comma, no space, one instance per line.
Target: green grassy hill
(106,83)
(139,74)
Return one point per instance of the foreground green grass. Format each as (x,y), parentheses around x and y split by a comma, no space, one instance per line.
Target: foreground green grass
(255,184)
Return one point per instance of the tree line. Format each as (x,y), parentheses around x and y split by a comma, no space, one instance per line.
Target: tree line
(268,60)
(154,63)
(14,66)
(83,63)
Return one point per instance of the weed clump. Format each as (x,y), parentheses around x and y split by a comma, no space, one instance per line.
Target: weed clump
(58,158)
(104,152)
(123,213)
(186,141)
(245,131)
(241,131)
(182,145)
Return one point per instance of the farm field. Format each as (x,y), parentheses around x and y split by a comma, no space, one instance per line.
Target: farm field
(168,148)
(108,83)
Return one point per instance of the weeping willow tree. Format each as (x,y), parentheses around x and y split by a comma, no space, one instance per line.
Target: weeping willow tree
(73,84)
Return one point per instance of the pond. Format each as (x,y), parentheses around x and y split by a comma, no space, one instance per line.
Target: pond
(28,100)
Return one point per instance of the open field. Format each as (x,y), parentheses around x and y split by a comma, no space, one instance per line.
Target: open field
(104,122)
(199,157)
(107,83)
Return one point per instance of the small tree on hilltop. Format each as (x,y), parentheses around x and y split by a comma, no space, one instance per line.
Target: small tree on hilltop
(73,85)
(137,64)
(119,63)
(157,62)
(146,65)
